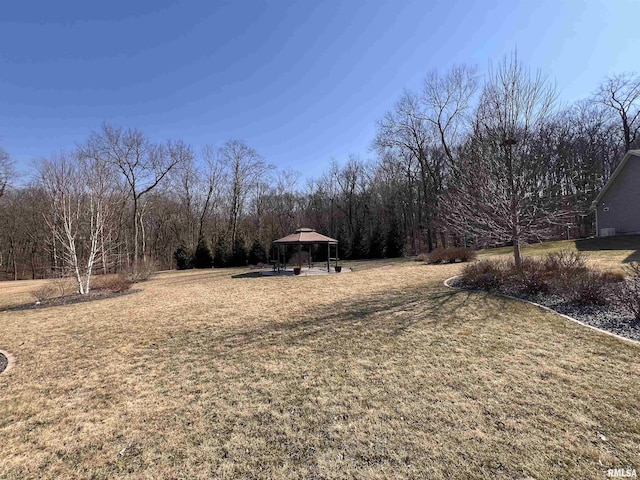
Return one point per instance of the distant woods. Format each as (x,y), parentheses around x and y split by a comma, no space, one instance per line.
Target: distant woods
(462,161)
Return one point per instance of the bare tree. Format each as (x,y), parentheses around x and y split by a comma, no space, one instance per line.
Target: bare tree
(214,175)
(245,168)
(447,100)
(352,181)
(499,193)
(142,164)
(82,191)
(621,93)
(6,171)
(407,131)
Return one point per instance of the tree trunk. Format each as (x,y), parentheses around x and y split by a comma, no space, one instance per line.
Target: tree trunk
(135,235)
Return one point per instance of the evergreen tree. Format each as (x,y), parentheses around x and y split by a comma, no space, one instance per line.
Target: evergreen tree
(376,242)
(257,253)
(359,247)
(396,239)
(239,254)
(221,257)
(183,258)
(202,257)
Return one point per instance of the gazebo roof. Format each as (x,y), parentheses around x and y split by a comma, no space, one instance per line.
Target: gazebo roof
(305,236)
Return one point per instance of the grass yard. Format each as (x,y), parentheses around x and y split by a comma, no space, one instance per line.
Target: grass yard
(381,373)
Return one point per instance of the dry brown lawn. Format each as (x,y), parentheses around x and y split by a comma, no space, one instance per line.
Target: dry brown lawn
(381,373)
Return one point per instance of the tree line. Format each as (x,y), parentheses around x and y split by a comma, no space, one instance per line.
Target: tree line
(463,161)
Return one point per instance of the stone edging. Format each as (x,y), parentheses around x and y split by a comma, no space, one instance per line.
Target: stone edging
(11,360)
(544,307)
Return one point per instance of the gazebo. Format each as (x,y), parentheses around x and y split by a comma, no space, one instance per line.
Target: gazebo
(308,237)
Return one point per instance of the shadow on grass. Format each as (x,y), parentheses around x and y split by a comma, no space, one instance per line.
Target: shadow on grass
(255,274)
(385,317)
(620,242)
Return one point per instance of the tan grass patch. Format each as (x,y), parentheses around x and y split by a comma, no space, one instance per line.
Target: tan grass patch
(382,373)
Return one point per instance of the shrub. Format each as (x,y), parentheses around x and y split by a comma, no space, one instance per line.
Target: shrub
(485,274)
(464,254)
(202,256)
(589,288)
(143,272)
(562,268)
(63,285)
(564,273)
(565,261)
(44,292)
(627,294)
(439,255)
(422,257)
(532,278)
(450,255)
(112,283)
(612,277)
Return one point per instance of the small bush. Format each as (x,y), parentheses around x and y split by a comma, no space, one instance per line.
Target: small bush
(466,254)
(612,277)
(532,278)
(44,292)
(563,273)
(112,283)
(589,288)
(144,272)
(565,261)
(450,255)
(437,256)
(485,275)
(422,257)
(632,269)
(63,285)
(627,293)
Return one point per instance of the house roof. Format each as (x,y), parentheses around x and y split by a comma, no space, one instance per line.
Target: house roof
(305,236)
(630,154)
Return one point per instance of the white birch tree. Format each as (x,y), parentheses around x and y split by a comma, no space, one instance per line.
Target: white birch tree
(81,191)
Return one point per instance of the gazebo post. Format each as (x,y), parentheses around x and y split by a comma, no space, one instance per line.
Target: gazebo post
(328,257)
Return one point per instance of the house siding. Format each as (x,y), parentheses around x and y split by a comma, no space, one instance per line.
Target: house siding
(619,207)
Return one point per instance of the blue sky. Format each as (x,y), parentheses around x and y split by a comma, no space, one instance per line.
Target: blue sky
(301,82)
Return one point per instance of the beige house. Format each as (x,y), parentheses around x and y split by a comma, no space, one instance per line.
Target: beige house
(617,206)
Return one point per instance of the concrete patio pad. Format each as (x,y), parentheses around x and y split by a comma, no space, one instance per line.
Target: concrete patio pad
(306,271)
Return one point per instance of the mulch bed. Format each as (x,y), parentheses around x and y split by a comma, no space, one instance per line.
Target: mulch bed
(69,300)
(3,362)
